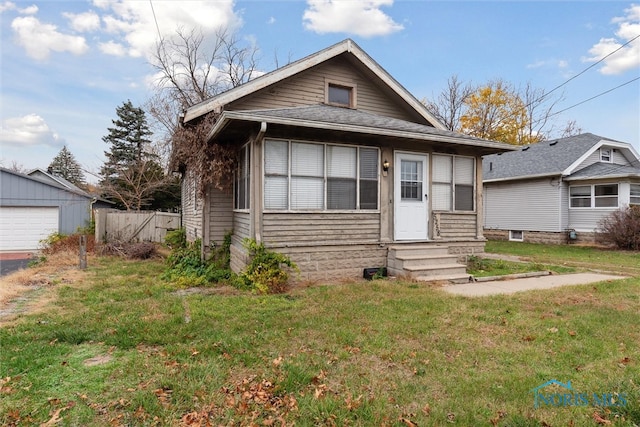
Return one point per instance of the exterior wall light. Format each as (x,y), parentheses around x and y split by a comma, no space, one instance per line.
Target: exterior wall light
(385,165)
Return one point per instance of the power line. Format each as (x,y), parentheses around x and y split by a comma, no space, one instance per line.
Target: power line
(585,70)
(594,97)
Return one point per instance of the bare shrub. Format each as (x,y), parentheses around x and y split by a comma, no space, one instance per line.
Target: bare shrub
(621,228)
(129,250)
(56,243)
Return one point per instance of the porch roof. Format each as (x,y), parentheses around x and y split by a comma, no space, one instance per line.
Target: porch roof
(348,120)
(605,170)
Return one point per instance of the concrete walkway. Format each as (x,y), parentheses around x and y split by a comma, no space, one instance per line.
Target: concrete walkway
(477,289)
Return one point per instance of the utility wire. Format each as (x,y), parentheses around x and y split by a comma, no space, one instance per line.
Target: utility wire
(594,97)
(584,71)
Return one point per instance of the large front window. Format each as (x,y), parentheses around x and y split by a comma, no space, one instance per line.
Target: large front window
(453,183)
(590,196)
(311,176)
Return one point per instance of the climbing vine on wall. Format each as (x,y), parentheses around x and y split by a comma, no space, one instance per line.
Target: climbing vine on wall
(212,163)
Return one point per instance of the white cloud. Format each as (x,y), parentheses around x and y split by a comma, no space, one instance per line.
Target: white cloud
(30,10)
(28,130)
(135,25)
(271,20)
(628,57)
(40,39)
(112,48)
(360,17)
(7,6)
(83,22)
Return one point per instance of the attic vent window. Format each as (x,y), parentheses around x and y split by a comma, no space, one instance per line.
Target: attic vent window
(341,95)
(605,155)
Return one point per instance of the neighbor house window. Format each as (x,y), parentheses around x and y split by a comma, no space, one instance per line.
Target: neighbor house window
(453,183)
(634,198)
(311,176)
(590,196)
(516,235)
(343,95)
(241,185)
(605,155)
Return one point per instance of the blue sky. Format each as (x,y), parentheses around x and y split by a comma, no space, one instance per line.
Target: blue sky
(67,65)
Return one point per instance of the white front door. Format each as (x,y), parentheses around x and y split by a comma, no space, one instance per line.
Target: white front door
(411,214)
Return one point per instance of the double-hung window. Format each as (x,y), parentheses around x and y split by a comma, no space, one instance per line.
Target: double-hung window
(241,185)
(453,182)
(605,155)
(634,196)
(590,196)
(312,176)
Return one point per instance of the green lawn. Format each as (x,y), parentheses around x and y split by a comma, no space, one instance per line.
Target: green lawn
(125,348)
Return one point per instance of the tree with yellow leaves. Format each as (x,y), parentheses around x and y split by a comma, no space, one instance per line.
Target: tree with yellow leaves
(495,111)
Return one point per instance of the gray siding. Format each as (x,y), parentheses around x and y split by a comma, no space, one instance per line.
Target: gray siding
(221,214)
(313,229)
(21,191)
(587,219)
(242,225)
(525,205)
(308,88)
(452,225)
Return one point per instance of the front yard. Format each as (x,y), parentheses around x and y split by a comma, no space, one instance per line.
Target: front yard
(117,345)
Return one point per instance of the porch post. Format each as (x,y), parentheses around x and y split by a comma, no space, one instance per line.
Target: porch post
(479,200)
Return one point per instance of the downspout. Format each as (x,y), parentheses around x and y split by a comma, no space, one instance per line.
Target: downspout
(256,194)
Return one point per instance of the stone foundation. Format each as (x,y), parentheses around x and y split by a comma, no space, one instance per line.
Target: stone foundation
(543,237)
(333,263)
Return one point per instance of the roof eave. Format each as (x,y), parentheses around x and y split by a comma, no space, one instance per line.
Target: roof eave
(522,177)
(229,116)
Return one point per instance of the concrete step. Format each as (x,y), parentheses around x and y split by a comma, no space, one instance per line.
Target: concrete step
(413,260)
(450,278)
(402,250)
(435,270)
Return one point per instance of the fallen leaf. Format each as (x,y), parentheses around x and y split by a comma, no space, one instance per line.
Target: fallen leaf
(426,409)
(320,391)
(408,422)
(599,420)
(277,362)
(572,333)
(553,330)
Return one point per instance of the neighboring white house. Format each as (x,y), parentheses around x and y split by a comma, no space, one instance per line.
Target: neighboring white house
(542,191)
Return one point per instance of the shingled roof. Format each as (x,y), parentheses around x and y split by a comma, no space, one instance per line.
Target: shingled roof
(549,158)
(355,121)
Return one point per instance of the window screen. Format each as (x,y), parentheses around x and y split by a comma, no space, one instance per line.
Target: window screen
(320,176)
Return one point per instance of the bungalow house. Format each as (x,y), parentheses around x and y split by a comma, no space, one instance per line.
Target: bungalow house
(342,169)
(543,191)
(35,205)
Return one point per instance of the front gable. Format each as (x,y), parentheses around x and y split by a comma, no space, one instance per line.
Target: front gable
(605,152)
(350,61)
(311,87)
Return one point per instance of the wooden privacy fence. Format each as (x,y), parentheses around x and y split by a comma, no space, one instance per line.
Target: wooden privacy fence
(125,226)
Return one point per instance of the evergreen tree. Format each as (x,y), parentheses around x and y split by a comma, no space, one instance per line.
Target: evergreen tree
(131,175)
(128,139)
(65,166)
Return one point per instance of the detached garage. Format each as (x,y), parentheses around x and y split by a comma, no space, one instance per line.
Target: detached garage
(32,207)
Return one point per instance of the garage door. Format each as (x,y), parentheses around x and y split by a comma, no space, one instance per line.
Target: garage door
(23,228)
